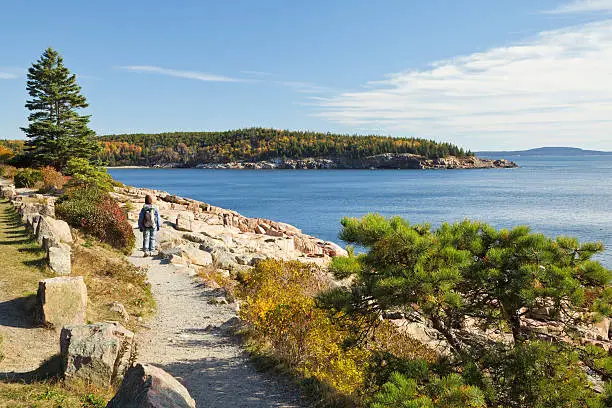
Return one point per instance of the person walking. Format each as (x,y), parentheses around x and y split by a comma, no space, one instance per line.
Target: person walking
(148,224)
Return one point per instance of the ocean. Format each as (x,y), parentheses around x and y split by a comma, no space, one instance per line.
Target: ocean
(555,195)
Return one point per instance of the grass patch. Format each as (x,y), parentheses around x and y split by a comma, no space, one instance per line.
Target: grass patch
(111,278)
(52,394)
(23,261)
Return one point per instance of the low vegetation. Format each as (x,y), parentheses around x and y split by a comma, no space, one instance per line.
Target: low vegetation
(256,144)
(87,205)
(288,328)
(52,180)
(52,394)
(7,171)
(111,278)
(29,178)
(96,213)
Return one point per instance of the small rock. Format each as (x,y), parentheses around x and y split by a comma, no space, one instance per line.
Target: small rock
(119,308)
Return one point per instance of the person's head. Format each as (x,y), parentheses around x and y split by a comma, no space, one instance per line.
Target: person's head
(148,199)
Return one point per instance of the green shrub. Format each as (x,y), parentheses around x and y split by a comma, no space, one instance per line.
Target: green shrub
(85,174)
(447,392)
(28,178)
(98,214)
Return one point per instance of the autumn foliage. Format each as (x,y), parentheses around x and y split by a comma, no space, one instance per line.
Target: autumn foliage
(280,308)
(98,214)
(52,179)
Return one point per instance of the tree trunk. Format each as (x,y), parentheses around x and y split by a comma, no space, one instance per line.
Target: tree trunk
(454,343)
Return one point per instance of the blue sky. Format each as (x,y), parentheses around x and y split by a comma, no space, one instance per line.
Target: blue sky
(483,74)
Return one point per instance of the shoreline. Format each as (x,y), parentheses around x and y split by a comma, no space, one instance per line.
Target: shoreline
(197,233)
(385,161)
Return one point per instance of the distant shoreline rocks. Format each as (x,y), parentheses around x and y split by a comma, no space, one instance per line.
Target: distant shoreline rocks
(400,161)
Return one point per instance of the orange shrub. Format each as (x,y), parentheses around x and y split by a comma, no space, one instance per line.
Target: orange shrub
(5,154)
(53,180)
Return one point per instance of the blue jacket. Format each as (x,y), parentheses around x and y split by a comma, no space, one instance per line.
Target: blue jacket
(141,217)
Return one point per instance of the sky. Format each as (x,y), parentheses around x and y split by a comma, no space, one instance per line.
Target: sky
(486,75)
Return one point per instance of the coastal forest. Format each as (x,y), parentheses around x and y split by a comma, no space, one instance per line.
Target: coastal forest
(257,144)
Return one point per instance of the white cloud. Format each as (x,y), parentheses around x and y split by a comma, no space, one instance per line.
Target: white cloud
(200,76)
(553,89)
(7,75)
(583,6)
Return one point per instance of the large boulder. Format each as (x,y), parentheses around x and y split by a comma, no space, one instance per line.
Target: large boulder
(96,353)
(188,255)
(196,256)
(146,386)
(50,227)
(58,257)
(61,301)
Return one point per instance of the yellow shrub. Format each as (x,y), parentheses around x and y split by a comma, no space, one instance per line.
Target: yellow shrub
(278,304)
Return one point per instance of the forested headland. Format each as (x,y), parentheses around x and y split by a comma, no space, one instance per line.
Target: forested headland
(189,149)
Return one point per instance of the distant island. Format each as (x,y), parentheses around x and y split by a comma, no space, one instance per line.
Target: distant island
(546,151)
(260,148)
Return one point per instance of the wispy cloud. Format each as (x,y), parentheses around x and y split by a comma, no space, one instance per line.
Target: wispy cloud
(7,75)
(200,76)
(255,73)
(306,87)
(554,88)
(11,72)
(582,6)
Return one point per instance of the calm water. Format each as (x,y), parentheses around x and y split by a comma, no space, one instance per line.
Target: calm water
(554,195)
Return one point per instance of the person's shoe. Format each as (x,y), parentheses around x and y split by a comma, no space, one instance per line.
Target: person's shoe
(145,254)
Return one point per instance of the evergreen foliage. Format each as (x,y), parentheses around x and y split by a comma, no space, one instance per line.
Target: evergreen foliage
(84,174)
(469,274)
(256,144)
(56,131)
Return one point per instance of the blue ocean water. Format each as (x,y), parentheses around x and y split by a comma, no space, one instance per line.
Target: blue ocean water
(563,195)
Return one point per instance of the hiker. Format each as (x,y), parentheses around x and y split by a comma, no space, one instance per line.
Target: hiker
(148,224)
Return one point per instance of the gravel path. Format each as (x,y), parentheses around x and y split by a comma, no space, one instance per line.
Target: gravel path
(190,339)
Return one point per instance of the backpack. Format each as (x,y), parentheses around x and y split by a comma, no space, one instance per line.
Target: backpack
(147,219)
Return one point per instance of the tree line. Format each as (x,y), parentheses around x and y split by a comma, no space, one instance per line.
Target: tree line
(257,144)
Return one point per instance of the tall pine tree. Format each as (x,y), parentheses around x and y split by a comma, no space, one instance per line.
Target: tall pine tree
(56,131)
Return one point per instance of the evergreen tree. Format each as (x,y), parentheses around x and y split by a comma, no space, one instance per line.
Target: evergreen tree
(468,278)
(56,131)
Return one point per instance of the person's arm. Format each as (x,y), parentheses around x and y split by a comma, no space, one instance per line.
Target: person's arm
(157,219)
(140,221)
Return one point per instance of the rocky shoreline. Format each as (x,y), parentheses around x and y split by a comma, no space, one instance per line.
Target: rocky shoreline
(196,234)
(403,161)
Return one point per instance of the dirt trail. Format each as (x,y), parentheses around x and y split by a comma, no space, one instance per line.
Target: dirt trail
(190,338)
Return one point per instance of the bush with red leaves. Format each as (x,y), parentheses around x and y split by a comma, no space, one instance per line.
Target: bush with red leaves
(96,213)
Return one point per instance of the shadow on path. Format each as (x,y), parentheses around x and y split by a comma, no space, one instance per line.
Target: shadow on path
(18,312)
